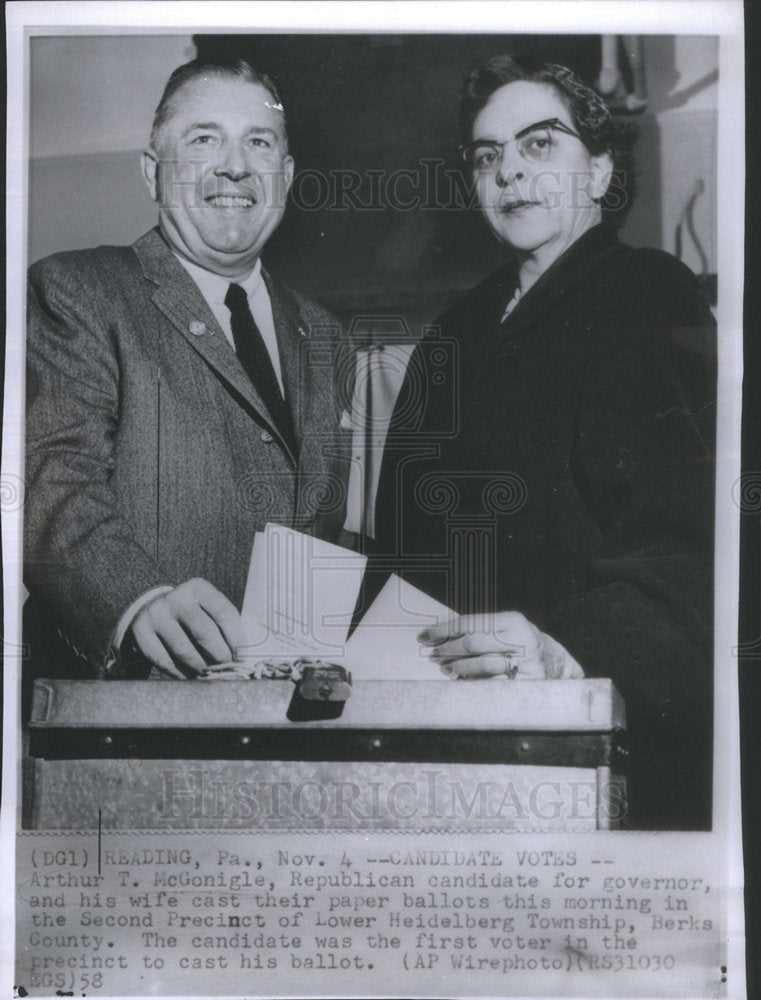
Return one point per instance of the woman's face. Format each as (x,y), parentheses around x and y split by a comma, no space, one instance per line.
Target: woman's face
(542,201)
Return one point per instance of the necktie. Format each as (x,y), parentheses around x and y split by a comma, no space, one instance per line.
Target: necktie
(255,359)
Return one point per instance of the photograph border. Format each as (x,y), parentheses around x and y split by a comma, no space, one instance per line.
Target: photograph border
(25,20)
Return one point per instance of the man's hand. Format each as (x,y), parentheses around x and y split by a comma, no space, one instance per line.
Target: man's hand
(502,643)
(181,632)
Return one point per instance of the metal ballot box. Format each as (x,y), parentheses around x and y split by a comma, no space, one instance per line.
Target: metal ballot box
(402,755)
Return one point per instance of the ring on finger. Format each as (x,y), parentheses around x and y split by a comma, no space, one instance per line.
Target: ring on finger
(511,666)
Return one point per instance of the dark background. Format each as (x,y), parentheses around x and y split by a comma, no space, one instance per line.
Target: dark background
(389,103)
(382,102)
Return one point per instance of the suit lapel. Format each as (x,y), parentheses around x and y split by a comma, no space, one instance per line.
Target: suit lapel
(177,296)
(291,331)
(308,364)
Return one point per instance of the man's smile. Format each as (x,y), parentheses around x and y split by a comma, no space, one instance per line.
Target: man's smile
(230,200)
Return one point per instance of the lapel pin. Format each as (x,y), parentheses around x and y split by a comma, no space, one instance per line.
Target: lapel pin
(197,328)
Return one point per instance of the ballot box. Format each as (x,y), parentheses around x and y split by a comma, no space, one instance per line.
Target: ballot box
(397,755)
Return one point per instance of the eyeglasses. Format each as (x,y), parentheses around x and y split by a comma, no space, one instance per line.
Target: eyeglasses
(535,144)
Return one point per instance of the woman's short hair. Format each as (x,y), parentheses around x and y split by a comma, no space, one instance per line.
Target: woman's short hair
(599,130)
(241,69)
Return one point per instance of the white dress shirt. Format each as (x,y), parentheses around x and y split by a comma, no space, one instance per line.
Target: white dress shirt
(214,287)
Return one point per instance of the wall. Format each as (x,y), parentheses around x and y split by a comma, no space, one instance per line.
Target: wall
(92,101)
(676,150)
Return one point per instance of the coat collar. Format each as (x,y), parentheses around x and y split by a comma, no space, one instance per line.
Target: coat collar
(572,268)
(179,299)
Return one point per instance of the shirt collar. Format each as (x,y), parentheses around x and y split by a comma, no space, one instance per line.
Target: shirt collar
(214,287)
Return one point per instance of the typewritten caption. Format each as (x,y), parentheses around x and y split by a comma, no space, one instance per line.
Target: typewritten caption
(146,914)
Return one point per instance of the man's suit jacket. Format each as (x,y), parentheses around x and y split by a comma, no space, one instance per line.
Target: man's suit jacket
(151,458)
(560,463)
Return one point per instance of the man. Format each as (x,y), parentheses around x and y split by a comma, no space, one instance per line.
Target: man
(178,399)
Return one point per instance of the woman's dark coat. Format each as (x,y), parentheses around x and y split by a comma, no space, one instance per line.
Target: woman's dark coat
(560,464)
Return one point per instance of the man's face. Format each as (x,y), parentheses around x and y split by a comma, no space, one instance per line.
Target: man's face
(537,206)
(221,173)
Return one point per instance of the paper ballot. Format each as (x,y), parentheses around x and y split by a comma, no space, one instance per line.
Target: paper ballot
(384,645)
(300,596)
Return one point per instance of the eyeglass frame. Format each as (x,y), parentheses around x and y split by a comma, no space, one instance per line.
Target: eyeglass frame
(549,123)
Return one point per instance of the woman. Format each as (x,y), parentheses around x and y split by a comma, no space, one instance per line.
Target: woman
(552,480)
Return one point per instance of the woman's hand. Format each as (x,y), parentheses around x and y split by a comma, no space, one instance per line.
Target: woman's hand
(505,643)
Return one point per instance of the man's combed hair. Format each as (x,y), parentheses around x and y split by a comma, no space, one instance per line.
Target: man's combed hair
(200,69)
(599,130)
